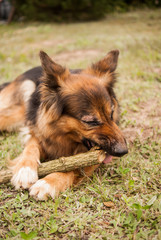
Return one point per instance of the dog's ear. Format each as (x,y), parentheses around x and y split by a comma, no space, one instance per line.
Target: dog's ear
(53,73)
(107,64)
(53,77)
(105,68)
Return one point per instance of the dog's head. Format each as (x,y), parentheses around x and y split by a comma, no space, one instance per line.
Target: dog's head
(84,103)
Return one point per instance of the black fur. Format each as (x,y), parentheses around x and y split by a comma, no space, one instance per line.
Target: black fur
(33,106)
(33,74)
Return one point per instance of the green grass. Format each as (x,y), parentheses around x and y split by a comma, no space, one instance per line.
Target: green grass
(131,183)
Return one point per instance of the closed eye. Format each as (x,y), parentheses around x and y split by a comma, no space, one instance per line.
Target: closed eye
(92,123)
(91,120)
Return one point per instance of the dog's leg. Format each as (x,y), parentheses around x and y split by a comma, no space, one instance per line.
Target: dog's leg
(54,183)
(25,166)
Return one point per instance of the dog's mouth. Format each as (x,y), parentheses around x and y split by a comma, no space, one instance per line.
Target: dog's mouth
(104,157)
(89,143)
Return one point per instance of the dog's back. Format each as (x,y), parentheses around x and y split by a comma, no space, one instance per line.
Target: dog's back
(14,97)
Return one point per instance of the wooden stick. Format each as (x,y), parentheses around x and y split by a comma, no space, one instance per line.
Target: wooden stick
(63,164)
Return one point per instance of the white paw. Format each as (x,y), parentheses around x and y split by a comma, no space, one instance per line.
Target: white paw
(24,178)
(41,190)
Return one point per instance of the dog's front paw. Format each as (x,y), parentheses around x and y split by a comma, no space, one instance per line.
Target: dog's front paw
(41,190)
(51,185)
(24,177)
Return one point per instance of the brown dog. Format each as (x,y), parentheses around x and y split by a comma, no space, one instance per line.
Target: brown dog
(66,112)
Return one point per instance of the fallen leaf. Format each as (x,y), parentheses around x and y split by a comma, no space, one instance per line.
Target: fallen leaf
(109,204)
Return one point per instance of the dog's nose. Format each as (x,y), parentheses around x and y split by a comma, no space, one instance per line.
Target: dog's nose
(120,150)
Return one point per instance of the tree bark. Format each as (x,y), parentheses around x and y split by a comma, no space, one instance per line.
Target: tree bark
(10,17)
(63,164)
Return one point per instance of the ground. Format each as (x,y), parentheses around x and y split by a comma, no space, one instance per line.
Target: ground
(122,200)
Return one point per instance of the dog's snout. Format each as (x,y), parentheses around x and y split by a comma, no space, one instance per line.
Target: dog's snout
(120,149)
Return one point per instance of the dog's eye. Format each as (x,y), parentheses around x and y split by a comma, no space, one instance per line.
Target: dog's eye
(93,123)
(90,120)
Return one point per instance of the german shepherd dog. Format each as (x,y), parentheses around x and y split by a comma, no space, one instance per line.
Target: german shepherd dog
(66,112)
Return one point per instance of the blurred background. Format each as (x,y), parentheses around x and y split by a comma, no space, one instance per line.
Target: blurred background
(68,10)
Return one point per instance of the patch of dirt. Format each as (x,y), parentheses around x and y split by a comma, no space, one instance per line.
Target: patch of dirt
(157,70)
(53,42)
(76,55)
(147,121)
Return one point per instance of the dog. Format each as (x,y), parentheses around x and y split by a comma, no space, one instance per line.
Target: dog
(65,112)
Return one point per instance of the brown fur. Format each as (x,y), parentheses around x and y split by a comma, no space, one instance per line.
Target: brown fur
(74,110)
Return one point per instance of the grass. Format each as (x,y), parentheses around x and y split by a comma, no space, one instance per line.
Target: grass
(122,200)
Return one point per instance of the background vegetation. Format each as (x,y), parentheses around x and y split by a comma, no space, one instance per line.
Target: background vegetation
(122,200)
(76,9)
